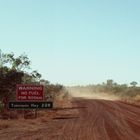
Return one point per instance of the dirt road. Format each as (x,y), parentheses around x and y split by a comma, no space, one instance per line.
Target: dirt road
(88,119)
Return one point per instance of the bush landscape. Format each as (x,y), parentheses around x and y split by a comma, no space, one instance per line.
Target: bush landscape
(37,123)
(128,93)
(15,70)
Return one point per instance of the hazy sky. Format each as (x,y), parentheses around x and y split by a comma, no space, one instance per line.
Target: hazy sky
(75,41)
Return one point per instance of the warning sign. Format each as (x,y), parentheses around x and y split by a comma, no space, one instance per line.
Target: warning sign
(30,93)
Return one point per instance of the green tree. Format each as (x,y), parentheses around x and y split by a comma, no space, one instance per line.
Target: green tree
(19,63)
(133,83)
(12,72)
(36,75)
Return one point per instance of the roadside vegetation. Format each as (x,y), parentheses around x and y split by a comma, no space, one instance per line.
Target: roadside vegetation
(129,93)
(17,70)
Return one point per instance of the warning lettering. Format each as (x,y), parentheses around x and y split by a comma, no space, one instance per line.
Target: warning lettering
(30,93)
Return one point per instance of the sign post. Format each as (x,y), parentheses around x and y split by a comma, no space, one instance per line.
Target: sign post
(30,97)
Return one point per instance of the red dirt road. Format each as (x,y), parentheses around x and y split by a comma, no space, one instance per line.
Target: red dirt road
(95,120)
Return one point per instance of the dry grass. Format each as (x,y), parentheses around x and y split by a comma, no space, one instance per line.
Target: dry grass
(132,100)
(137,98)
(20,124)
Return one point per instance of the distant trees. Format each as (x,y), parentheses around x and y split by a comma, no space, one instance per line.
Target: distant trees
(111,87)
(133,83)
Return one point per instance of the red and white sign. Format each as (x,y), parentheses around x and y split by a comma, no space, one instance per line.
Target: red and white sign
(30,93)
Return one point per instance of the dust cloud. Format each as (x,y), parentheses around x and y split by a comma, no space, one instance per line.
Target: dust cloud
(87,94)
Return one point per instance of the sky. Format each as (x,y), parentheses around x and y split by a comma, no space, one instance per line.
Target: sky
(75,42)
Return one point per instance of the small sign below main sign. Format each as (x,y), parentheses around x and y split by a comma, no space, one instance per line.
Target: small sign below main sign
(30,105)
(30,93)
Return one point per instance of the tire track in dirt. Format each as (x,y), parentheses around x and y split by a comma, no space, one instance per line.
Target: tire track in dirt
(96,120)
(99,114)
